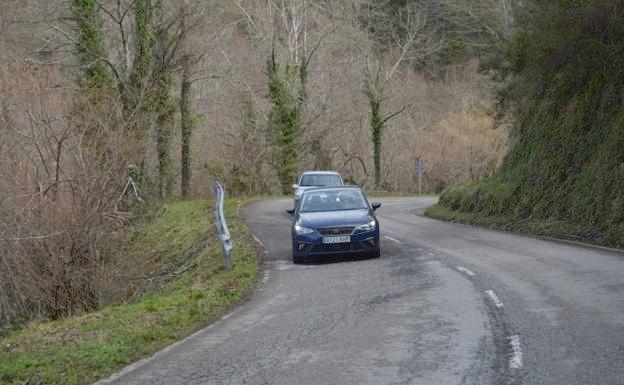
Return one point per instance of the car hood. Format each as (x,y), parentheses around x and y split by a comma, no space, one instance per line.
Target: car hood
(334,218)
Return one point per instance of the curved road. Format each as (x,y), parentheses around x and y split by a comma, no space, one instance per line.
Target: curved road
(445,304)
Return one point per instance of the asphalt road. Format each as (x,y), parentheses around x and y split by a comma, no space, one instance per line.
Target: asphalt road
(445,304)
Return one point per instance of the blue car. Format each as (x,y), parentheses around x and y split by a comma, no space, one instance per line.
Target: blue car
(332,221)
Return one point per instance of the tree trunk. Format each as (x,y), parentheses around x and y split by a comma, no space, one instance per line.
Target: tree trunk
(164,133)
(377,125)
(165,103)
(187,130)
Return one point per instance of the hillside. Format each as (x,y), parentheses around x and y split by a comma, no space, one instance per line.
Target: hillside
(564,174)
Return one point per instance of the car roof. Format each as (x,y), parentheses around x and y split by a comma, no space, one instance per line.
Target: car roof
(319,172)
(332,188)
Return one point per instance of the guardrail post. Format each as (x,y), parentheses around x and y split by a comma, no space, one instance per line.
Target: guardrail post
(222,229)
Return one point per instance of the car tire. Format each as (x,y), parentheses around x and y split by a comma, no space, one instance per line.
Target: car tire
(376,253)
(297,260)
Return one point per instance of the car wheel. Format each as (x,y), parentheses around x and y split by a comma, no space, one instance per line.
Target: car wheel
(297,260)
(376,253)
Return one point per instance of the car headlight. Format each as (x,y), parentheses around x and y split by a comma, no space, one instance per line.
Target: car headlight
(367,226)
(300,230)
(298,193)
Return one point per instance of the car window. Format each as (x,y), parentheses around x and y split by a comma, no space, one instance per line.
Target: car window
(333,200)
(320,180)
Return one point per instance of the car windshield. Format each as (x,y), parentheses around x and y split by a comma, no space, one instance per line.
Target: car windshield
(333,200)
(320,180)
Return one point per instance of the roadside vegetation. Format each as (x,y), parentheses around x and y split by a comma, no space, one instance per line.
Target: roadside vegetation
(112,108)
(563,72)
(185,287)
(540,227)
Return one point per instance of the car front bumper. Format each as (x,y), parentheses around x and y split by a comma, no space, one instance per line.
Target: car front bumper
(311,245)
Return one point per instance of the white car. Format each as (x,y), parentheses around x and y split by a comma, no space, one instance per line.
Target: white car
(311,179)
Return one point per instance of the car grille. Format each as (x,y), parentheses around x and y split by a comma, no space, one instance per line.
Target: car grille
(331,247)
(336,230)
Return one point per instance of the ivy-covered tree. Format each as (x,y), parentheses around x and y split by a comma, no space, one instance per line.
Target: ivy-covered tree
(407,37)
(95,91)
(144,87)
(164,103)
(165,121)
(138,95)
(142,67)
(287,93)
(89,47)
(186,122)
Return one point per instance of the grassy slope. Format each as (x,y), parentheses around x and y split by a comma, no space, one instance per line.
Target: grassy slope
(564,174)
(79,350)
(545,228)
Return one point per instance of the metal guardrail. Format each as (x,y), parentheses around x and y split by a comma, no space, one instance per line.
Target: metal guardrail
(222,229)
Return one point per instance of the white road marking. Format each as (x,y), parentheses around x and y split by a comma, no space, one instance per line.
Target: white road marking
(464,270)
(494,298)
(267,273)
(258,240)
(265,279)
(288,265)
(283,265)
(515,362)
(392,239)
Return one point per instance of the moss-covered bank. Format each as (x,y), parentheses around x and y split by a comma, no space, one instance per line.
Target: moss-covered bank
(564,74)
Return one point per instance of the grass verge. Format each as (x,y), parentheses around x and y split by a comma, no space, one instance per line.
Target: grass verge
(196,290)
(543,228)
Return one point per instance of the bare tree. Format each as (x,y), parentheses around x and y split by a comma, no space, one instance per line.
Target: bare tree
(60,196)
(406,41)
(286,22)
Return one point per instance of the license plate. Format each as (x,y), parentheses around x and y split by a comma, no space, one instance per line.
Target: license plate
(343,239)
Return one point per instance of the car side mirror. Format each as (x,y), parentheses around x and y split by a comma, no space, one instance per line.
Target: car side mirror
(290,211)
(376,205)
(295,186)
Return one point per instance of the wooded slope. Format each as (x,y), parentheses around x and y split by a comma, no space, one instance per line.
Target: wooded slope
(565,94)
